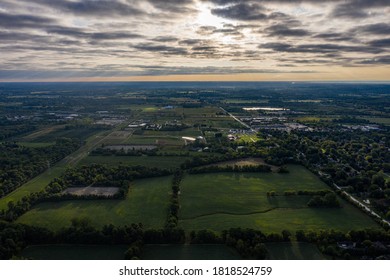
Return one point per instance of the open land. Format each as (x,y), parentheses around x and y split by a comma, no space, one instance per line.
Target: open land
(146,203)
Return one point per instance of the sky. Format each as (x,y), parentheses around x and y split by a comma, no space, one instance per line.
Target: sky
(194,40)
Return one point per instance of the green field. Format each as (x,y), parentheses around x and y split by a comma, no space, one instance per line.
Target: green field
(293,251)
(146,203)
(189,252)
(223,200)
(35,144)
(149,161)
(37,184)
(77,132)
(75,252)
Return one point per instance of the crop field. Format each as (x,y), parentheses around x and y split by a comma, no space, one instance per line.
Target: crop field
(147,203)
(52,135)
(293,251)
(41,133)
(189,252)
(223,200)
(148,161)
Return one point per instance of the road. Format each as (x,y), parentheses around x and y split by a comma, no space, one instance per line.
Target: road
(365,207)
(237,119)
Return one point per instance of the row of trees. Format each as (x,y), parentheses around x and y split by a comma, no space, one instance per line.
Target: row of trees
(98,175)
(230,168)
(18,163)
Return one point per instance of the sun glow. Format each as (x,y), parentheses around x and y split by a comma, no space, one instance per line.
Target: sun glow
(206,18)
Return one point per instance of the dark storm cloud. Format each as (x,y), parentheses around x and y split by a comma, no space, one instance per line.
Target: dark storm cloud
(281,30)
(11,21)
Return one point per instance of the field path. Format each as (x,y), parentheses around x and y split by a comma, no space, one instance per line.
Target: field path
(243,214)
(39,182)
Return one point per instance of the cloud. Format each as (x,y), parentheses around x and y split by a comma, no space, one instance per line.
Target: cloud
(380,43)
(162,49)
(83,34)
(241,11)
(17,21)
(280,30)
(374,47)
(377,29)
(358,8)
(103,8)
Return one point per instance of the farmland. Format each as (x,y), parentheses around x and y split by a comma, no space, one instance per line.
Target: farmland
(228,167)
(149,161)
(146,203)
(223,200)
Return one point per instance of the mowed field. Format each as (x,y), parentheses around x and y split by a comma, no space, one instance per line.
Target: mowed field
(224,200)
(147,203)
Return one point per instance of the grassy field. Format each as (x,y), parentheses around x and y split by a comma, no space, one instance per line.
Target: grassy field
(293,251)
(189,252)
(78,132)
(75,252)
(35,144)
(37,184)
(146,203)
(149,161)
(224,200)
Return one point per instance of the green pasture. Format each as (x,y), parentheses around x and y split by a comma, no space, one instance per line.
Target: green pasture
(149,161)
(147,203)
(36,184)
(220,201)
(77,132)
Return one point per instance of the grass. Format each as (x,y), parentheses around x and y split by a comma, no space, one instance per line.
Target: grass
(149,161)
(146,203)
(293,251)
(37,184)
(36,144)
(75,252)
(78,132)
(189,252)
(223,200)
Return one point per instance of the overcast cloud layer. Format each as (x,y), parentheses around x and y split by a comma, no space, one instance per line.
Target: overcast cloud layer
(42,39)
